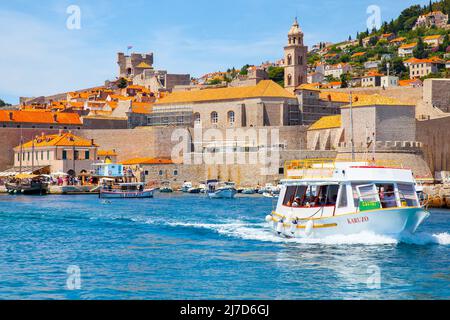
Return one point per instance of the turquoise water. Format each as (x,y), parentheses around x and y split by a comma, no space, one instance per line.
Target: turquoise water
(189,247)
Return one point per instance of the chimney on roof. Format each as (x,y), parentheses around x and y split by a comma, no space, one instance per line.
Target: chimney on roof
(55,117)
(92,142)
(11,116)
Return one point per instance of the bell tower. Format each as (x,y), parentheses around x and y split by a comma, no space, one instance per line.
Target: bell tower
(295,59)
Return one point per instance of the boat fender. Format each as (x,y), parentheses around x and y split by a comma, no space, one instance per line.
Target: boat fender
(309,228)
(294,226)
(280,226)
(269,218)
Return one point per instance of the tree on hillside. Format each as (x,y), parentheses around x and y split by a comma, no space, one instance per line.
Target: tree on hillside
(345,78)
(122,84)
(4,104)
(420,52)
(276,74)
(244,70)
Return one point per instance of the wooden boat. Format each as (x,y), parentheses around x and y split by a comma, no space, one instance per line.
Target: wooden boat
(28,185)
(126,191)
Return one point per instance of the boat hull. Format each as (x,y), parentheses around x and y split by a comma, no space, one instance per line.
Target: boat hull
(36,189)
(391,222)
(127,195)
(223,194)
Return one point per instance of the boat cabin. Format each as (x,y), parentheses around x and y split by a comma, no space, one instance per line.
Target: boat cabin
(331,190)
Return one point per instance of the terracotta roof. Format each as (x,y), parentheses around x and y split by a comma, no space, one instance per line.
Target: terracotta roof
(106,153)
(55,140)
(309,86)
(265,88)
(431,60)
(137,161)
(377,100)
(399,39)
(141,107)
(343,97)
(40,117)
(373,74)
(358,54)
(433,37)
(405,83)
(144,65)
(328,122)
(408,45)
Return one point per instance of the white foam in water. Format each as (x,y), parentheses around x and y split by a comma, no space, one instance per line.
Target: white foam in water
(260,232)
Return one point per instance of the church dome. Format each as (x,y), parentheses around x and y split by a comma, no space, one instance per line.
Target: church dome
(295,29)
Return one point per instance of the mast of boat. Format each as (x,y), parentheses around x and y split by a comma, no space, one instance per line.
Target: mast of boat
(351,127)
(21,150)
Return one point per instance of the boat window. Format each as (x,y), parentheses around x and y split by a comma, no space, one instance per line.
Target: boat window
(290,195)
(343,198)
(329,195)
(408,196)
(385,191)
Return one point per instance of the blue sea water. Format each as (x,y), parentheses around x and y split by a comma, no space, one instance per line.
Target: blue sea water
(190,247)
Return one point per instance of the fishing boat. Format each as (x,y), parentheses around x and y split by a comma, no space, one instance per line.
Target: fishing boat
(320,199)
(217,190)
(194,190)
(186,186)
(166,188)
(248,191)
(27,184)
(126,190)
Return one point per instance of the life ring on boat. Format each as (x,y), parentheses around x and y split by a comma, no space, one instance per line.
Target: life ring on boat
(309,228)
(280,226)
(269,218)
(110,173)
(294,225)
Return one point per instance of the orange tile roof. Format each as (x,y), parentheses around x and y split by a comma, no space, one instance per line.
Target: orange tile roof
(137,161)
(141,107)
(399,39)
(405,83)
(378,100)
(40,117)
(106,153)
(343,97)
(328,122)
(358,54)
(265,88)
(433,37)
(431,60)
(408,45)
(373,74)
(58,140)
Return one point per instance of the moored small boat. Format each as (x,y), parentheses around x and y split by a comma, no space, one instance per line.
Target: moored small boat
(218,190)
(186,186)
(28,185)
(248,191)
(126,191)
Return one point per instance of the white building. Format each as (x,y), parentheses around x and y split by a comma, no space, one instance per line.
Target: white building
(389,81)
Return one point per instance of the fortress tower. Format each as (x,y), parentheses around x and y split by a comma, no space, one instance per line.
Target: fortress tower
(134,65)
(295,61)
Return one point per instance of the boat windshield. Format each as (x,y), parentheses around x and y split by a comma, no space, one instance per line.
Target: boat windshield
(311,196)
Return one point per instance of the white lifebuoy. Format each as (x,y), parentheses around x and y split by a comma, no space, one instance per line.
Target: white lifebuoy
(280,226)
(309,227)
(294,226)
(269,218)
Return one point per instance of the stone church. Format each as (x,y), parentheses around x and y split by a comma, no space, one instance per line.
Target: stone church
(295,59)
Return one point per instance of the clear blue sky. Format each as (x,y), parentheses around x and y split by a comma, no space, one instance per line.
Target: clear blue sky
(40,56)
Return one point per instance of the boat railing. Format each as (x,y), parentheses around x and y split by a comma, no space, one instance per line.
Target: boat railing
(324,168)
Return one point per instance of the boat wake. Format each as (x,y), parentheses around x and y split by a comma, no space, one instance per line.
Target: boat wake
(260,232)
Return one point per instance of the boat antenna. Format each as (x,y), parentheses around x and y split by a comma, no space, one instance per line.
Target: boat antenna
(21,149)
(351,127)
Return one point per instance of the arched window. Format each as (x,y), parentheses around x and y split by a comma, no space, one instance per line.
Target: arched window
(300,60)
(197,119)
(289,59)
(289,80)
(214,118)
(231,117)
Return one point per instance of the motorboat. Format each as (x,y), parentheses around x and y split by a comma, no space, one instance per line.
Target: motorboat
(320,199)
(28,184)
(218,190)
(186,186)
(126,190)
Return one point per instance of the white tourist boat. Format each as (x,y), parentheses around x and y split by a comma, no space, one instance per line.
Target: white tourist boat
(217,190)
(186,187)
(320,199)
(126,191)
